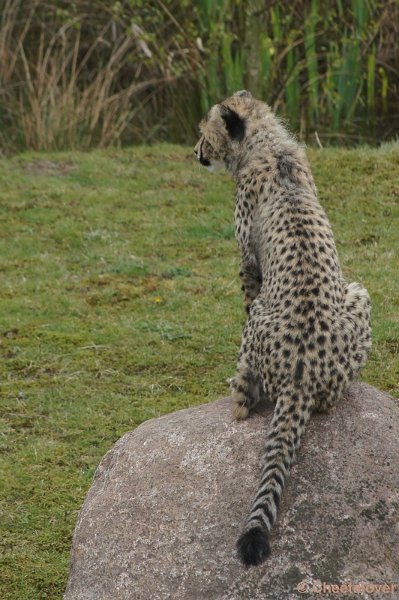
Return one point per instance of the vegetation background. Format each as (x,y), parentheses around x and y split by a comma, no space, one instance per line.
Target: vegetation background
(119,295)
(81,73)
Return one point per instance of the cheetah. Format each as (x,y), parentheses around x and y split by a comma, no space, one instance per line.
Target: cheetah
(307,332)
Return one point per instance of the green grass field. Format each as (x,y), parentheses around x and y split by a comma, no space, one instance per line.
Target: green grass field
(120,301)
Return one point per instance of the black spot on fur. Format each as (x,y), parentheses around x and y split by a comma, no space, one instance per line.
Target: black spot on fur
(280,481)
(253,546)
(276,498)
(299,370)
(286,167)
(235,125)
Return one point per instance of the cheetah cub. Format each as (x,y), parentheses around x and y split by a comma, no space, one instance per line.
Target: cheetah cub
(308,330)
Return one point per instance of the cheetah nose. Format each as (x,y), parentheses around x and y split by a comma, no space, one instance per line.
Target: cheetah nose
(195,151)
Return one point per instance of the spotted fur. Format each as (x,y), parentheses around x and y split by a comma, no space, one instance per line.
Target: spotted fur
(308,330)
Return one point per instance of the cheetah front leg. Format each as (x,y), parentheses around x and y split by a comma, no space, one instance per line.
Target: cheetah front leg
(247,391)
(251,281)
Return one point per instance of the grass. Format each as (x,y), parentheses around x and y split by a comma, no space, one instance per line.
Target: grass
(120,302)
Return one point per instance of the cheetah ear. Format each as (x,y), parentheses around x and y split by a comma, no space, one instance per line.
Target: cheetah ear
(243,94)
(235,125)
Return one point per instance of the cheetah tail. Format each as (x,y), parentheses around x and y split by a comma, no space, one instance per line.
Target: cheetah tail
(283,439)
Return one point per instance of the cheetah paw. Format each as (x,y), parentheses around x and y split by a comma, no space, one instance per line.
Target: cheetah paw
(240,411)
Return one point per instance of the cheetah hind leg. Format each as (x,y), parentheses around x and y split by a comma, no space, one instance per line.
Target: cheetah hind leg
(355,324)
(324,408)
(247,392)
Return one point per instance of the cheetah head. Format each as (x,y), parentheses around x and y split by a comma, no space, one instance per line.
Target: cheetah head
(223,130)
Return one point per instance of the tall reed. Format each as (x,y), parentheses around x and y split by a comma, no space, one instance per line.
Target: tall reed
(319,63)
(101,72)
(64,86)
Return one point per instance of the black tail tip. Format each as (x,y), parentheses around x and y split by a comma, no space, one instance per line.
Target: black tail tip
(253,546)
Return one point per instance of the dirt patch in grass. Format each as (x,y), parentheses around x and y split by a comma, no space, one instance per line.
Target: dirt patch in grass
(49,167)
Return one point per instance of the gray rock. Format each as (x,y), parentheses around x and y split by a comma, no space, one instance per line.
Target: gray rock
(169,499)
